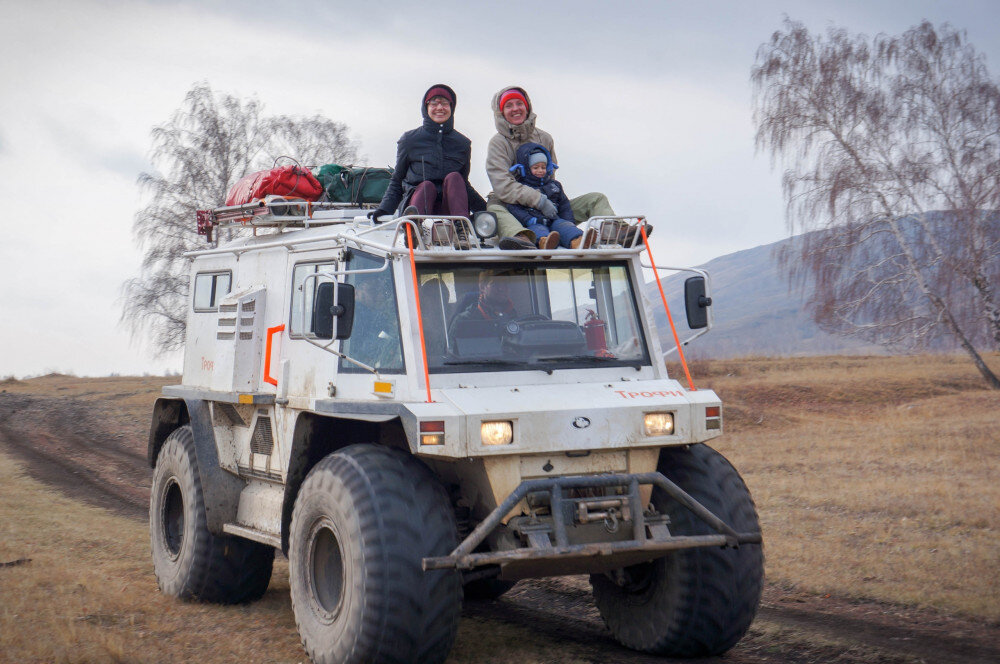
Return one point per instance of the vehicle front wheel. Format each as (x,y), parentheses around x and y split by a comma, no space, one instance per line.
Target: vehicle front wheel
(363,521)
(692,602)
(188,560)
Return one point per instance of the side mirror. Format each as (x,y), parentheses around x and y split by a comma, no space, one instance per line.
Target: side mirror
(324,312)
(696,303)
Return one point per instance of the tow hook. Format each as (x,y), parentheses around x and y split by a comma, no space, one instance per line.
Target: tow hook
(611,521)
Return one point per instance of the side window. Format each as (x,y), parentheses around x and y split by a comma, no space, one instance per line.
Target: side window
(375,339)
(304,293)
(209,288)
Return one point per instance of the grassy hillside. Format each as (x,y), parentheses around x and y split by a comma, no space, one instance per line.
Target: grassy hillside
(756,313)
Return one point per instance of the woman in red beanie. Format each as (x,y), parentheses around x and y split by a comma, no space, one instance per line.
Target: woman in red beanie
(515,123)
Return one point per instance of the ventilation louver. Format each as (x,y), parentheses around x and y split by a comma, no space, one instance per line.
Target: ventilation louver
(262,441)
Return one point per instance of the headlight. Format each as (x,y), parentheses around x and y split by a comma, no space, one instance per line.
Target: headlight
(497,433)
(659,424)
(485,224)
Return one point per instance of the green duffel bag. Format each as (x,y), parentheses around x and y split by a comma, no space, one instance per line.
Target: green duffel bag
(354,184)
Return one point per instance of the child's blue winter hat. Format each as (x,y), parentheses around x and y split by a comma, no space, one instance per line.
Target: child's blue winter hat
(530,154)
(538,157)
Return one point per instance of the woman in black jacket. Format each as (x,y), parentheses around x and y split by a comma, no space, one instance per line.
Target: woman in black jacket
(432,164)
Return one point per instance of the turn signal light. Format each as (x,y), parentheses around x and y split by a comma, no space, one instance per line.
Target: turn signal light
(713,418)
(432,433)
(497,433)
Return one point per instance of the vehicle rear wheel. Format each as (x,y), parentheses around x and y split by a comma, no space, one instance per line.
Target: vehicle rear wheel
(188,560)
(693,602)
(364,519)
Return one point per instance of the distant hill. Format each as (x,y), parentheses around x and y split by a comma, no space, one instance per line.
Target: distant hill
(755,311)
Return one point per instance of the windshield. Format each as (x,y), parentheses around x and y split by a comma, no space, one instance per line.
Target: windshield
(528,317)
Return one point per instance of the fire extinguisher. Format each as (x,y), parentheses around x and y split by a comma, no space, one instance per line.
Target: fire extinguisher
(593,330)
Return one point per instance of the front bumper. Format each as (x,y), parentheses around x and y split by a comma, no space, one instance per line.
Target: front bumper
(550,551)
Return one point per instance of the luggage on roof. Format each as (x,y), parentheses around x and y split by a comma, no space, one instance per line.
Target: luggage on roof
(354,184)
(292,181)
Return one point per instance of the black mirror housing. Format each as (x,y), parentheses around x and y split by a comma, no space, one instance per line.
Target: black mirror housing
(324,312)
(696,303)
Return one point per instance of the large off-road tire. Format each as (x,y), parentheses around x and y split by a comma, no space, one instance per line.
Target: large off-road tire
(694,602)
(363,520)
(189,561)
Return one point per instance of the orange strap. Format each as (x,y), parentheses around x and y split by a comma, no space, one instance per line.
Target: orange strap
(420,316)
(271,331)
(666,307)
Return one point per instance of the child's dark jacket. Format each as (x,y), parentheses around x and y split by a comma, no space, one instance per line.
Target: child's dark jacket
(547,185)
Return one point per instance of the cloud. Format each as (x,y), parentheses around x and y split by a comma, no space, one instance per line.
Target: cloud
(92,147)
(649,102)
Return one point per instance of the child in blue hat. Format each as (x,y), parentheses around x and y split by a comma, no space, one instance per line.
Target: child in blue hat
(534,168)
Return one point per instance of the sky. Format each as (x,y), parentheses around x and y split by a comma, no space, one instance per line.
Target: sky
(648,102)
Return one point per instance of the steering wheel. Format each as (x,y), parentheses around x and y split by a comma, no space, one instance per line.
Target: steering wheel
(512,327)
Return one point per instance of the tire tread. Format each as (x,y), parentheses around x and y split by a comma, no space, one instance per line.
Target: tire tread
(402,514)
(704,599)
(223,569)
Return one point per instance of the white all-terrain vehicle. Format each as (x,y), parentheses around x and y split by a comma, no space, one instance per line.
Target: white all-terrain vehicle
(412,415)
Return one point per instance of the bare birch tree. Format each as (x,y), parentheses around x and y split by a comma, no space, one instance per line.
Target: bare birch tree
(892,147)
(209,143)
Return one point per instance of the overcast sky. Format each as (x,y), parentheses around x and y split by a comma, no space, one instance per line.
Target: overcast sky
(648,102)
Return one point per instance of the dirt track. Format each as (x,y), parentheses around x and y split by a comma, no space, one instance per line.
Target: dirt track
(94,450)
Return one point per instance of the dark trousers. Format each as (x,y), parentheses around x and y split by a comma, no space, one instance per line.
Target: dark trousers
(452,201)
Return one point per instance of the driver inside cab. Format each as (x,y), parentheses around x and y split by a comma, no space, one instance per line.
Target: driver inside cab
(494,301)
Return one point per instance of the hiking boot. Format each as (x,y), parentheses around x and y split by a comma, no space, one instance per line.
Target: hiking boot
(442,233)
(611,230)
(515,243)
(585,241)
(462,233)
(410,211)
(627,235)
(550,241)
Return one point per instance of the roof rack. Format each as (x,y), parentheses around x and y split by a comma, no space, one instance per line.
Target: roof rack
(275,212)
(434,232)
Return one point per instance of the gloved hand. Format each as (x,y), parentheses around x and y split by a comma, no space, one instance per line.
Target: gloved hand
(375,214)
(547,208)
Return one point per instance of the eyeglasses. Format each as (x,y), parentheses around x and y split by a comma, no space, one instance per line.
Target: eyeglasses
(439,102)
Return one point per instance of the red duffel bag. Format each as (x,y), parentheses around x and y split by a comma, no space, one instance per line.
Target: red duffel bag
(290,180)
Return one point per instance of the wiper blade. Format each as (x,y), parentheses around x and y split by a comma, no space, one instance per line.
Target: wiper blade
(597,359)
(485,360)
(567,358)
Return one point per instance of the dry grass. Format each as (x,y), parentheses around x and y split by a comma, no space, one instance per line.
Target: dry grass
(77,587)
(125,403)
(874,477)
(88,593)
